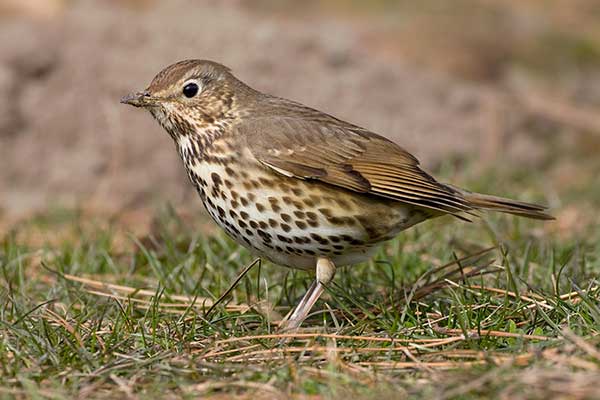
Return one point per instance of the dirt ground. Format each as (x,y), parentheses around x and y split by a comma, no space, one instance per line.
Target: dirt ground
(446,86)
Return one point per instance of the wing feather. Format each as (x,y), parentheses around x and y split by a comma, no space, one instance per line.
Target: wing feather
(308,144)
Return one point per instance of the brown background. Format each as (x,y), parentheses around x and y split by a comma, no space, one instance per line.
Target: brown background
(496,83)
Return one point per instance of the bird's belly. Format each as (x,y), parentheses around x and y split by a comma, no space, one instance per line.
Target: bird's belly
(292,221)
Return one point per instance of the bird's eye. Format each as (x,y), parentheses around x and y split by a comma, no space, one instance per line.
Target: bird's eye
(190,90)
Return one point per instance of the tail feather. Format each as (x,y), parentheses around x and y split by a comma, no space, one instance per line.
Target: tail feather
(500,204)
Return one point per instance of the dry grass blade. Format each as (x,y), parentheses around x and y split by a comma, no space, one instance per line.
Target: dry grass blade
(232,286)
(530,297)
(261,388)
(229,350)
(512,294)
(54,317)
(467,359)
(473,333)
(574,296)
(329,336)
(452,269)
(128,293)
(400,365)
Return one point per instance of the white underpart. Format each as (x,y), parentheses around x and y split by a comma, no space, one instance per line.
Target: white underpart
(262,195)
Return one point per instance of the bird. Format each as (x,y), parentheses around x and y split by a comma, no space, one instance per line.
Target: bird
(295,185)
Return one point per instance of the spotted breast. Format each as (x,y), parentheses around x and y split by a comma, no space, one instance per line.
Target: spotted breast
(289,221)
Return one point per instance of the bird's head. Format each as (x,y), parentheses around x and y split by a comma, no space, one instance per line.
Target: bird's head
(191,95)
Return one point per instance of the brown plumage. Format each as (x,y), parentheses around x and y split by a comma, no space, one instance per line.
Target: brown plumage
(296,185)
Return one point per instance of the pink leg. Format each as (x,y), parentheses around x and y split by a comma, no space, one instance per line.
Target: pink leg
(325,273)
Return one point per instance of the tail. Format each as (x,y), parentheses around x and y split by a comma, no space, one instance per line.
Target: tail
(493,203)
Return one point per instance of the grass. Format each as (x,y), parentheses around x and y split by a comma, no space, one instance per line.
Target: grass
(499,308)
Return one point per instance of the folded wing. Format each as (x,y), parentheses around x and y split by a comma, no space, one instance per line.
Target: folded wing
(315,146)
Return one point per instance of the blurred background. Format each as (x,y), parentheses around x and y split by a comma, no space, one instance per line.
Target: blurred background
(502,94)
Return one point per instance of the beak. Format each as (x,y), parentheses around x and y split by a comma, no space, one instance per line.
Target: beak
(139,99)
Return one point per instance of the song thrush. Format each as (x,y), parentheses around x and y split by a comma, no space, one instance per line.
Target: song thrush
(293,184)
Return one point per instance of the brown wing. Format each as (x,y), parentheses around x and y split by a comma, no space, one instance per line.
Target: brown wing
(317,146)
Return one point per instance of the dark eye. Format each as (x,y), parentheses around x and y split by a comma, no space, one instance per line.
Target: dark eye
(190,90)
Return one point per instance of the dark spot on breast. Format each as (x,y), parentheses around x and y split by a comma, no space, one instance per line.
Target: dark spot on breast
(228,183)
(278,248)
(230,172)
(315,199)
(241,223)
(372,230)
(244,201)
(326,212)
(244,215)
(286,227)
(274,206)
(298,239)
(263,224)
(249,232)
(342,203)
(273,223)
(313,223)
(341,220)
(300,214)
(335,220)
(216,179)
(264,235)
(310,252)
(266,182)
(234,194)
(338,247)
(233,214)
(287,200)
(356,242)
(221,211)
(254,224)
(309,203)
(234,204)
(236,230)
(285,217)
(334,239)
(319,239)
(259,207)
(284,239)
(297,191)
(300,224)
(251,196)
(324,250)
(311,215)
(337,253)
